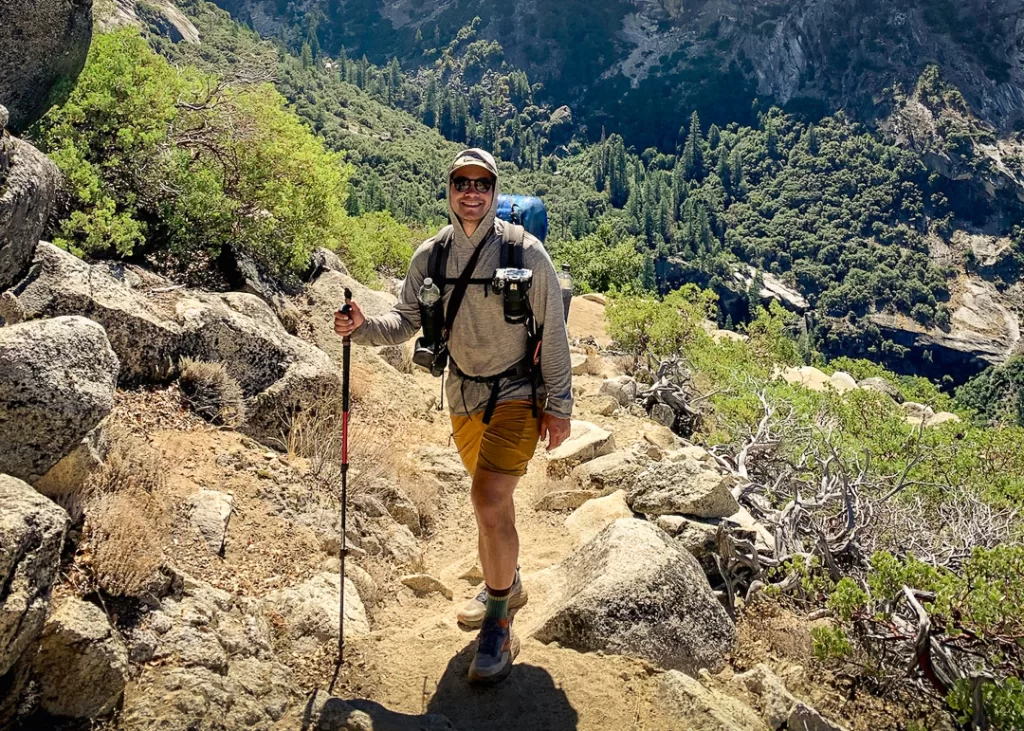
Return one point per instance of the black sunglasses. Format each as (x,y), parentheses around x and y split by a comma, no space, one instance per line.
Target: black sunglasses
(482,185)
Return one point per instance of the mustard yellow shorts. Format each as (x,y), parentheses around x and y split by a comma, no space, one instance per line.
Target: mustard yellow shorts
(506,445)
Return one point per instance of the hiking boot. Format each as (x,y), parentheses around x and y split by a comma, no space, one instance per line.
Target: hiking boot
(497,646)
(472,613)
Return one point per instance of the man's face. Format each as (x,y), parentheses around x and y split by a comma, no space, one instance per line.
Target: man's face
(470,204)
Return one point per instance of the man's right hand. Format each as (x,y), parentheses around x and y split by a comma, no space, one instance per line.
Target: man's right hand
(345,325)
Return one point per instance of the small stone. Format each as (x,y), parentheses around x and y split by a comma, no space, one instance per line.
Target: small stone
(663,414)
(805,718)
(424,584)
(579,363)
(586,441)
(474,574)
(943,417)
(565,499)
(211,511)
(590,518)
(622,388)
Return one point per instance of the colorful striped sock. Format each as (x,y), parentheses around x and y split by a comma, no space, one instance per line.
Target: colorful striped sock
(497,603)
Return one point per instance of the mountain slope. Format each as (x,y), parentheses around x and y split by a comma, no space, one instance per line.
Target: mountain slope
(644,64)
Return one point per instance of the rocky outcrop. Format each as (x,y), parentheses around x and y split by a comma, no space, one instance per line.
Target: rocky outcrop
(152,325)
(307,615)
(280,375)
(82,664)
(31,539)
(594,515)
(57,380)
(43,45)
(27,191)
(145,337)
(586,441)
(633,591)
(608,473)
(160,15)
(688,487)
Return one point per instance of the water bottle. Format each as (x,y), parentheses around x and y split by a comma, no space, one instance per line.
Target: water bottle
(430,313)
(429,294)
(429,347)
(565,284)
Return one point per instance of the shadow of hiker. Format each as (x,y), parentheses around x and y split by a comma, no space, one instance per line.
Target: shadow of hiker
(325,713)
(527,699)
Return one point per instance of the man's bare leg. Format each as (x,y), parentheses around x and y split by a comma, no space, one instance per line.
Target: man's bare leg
(492,495)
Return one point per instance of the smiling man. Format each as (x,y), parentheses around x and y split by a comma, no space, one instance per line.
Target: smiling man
(509,385)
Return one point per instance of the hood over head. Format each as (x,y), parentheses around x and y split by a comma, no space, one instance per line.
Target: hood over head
(484,159)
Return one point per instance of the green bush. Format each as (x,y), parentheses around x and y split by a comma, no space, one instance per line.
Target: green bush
(169,164)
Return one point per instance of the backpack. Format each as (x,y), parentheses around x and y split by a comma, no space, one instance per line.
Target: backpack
(511,256)
(526,211)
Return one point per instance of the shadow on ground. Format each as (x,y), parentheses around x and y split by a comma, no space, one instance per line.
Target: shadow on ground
(527,699)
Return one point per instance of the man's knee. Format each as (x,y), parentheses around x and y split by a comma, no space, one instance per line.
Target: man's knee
(492,498)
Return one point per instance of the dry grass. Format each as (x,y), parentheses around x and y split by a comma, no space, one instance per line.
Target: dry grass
(126,532)
(210,392)
(375,436)
(126,523)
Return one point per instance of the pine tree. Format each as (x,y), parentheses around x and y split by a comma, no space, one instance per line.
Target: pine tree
(813,143)
(618,172)
(714,137)
(693,152)
(430,106)
(723,171)
(771,139)
(307,56)
(736,173)
(343,65)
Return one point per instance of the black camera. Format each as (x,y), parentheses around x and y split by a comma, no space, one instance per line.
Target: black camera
(514,284)
(430,351)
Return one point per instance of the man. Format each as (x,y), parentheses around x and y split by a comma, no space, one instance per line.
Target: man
(482,345)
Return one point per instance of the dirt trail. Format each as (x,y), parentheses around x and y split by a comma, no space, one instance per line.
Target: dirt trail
(416,660)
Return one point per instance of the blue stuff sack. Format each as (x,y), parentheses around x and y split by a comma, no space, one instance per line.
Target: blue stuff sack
(530,213)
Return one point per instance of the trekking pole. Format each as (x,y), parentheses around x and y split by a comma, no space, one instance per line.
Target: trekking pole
(346,349)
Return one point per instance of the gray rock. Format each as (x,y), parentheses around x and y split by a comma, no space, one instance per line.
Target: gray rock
(308,613)
(369,505)
(78,465)
(401,507)
(43,45)
(57,381)
(601,404)
(591,518)
(622,388)
(565,499)
(882,386)
(687,487)
(633,591)
(694,534)
(606,474)
(695,706)
(806,718)
(917,413)
(82,664)
(324,260)
(28,185)
(424,584)
(210,511)
(774,700)
(205,627)
(586,442)
(147,340)
(251,694)
(663,414)
(31,539)
(578,363)
(279,374)
(400,545)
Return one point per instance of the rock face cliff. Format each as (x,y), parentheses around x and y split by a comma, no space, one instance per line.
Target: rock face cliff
(713,55)
(43,45)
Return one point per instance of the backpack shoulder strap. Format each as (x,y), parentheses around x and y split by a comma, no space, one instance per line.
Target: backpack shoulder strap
(512,245)
(437,265)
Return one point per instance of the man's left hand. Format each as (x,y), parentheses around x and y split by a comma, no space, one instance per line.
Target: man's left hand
(554,429)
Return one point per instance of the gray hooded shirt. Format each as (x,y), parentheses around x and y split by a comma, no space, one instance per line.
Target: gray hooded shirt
(481,342)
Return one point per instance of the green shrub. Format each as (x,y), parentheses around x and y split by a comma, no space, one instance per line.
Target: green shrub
(166,163)
(830,643)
